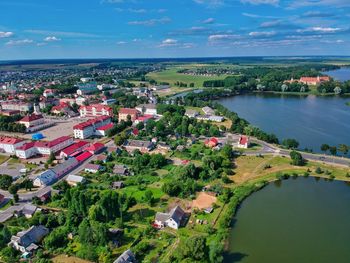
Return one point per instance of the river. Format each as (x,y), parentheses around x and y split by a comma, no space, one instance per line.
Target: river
(312,120)
(342,74)
(300,220)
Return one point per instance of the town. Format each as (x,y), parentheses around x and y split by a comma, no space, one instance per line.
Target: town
(109,163)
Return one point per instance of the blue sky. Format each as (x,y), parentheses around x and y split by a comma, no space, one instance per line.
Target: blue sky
(172,28)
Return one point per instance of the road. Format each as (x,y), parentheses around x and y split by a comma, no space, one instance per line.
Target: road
(272,149)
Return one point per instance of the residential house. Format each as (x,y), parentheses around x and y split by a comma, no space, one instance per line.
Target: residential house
(95,110)
(147,109)
(191,113)
(118,185)
(93,168)
(243,142)
(125,112)
(172,219)
(126,257)
(121,170)
(142,146)
(28,210)
(74,180)
(208,111)
(27,240)
(10,144)
(212,142)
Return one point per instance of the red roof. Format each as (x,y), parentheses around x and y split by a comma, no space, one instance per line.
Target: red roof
(53,143)
(10,140)
(26,146)
(144,118)
(243,140)
(31,117)
(84,156)
(84,125)
(128,111)
(135,132)
(74,147)
(95,147)
(106,127)
(211,142)
(98,107)
(315,79)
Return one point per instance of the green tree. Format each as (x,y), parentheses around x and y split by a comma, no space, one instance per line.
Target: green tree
(194,248)
(5,181)
(290,143)
(297,158)
(343,148)
(325,148)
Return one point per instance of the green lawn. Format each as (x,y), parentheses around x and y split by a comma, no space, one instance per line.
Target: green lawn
(171,76)
(3,158)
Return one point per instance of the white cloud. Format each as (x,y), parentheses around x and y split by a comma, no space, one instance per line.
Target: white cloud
(210,3)
(262,34)
(51,39)
(60,33)
(320,29)
(261,2)
(19,42)
(6,34)
(122,43)
(169,42)
(333,3)
(210,20)
(150,22)
(222,37)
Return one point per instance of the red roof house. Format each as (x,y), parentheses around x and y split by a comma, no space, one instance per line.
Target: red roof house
(212,142)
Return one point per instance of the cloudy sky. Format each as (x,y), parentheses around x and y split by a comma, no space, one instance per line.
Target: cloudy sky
(172,28)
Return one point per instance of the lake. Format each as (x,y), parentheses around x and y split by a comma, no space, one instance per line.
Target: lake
(301,220)
(342,74)
(312,120)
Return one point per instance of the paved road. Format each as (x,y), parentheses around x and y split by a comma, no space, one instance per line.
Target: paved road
(8,213)
(269,148)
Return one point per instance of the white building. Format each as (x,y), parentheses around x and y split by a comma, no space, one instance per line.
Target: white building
(31,149)
(45,178)
(172,219)
(89,128)
(10,144)
(74,180)
(147,109)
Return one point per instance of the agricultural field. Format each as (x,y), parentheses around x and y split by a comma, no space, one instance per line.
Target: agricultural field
(172,76)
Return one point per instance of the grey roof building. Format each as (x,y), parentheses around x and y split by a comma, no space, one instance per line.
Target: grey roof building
(26,241)
(126,257)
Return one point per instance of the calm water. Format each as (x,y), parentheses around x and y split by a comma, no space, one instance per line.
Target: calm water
(309,119)
(301,221)
(342,74)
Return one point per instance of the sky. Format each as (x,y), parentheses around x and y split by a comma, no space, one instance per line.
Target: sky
(44,29)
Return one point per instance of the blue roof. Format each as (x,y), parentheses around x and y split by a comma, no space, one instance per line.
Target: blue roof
(37,136)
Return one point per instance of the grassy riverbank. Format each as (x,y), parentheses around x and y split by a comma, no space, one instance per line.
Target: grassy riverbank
(348,103)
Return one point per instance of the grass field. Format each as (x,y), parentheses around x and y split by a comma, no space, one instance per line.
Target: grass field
(3,158)
(252,168)
(171,76)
